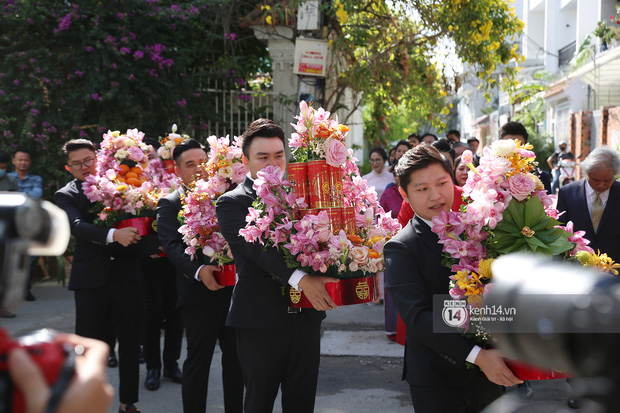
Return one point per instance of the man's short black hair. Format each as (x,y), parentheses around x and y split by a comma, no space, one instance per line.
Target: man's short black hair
(153,142)
(76,144)
(380,151)
(260,128)
(454,132)
(445,146)
(420,157)
(22,150)
(513,128)
(185,145)
(4,157)
(473,139)
(428,134)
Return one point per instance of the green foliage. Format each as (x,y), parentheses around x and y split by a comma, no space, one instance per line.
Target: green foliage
(526,227)
(531,116)
(388,52)
(77,69)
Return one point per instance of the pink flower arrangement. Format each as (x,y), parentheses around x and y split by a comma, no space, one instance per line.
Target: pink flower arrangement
(506,210)
(318,136)
(169,142)
(115,193)
(313,243)
(223,170)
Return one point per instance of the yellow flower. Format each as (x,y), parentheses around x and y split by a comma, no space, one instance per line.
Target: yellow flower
(265,8)
(269,20)
(484,268)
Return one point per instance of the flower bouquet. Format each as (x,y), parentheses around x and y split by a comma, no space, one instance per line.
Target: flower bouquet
(343,232)
(122,189)
(506,210)
(168,143)
(223,171)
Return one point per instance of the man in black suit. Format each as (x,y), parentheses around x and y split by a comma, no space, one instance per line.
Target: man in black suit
(104,276)
(592,203)
(434,362)
(277,345)
(202,301)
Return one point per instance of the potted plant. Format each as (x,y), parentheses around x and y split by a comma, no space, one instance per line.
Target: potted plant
(605,34)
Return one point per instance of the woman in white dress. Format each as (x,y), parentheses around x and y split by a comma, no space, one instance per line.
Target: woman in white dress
(379,177)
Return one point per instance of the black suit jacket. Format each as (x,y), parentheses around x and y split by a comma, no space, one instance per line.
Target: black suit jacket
(572,199)
(91,260)
(413,274)
(189,290)
(259,299)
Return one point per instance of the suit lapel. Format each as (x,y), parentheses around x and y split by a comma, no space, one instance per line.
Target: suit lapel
(248,186)
(427,235)
(582,199)
(611,203)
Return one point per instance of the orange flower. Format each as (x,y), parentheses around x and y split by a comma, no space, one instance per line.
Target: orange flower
(355,239)
(373,254)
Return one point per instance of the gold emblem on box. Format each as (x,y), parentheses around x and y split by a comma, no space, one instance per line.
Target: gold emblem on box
(295,296)
(362,290)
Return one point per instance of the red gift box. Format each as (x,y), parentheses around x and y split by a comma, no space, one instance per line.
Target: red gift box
(145,225)
(344,292)
(325,185)
(526,371)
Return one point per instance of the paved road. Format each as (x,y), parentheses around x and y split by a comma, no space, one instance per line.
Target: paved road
(360,368)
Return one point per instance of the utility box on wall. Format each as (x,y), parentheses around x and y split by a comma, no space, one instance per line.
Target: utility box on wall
(308,15)
(310,57)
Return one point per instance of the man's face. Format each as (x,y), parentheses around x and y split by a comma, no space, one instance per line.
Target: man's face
(413,141)
(513,137)
(562,148)
(474,146)
(601,178)
(188,162)
(458,151)
(428,139)
(22,162)
(3,166)
(81,163)
(430,191)
(452,138)
(265,152)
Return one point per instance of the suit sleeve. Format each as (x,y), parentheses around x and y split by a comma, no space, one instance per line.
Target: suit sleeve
(80,227)
(562,206)
(231,215)
(171,240)
(414,302)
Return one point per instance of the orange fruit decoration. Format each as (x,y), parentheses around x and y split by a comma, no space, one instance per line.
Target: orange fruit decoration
(137,170)
(124,169)
(133,181)
(131,174)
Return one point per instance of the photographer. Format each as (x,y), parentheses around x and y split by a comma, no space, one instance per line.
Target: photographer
(89,388)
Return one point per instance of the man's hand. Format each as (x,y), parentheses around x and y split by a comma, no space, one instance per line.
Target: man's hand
(126,236)
(89,389)
(207,277)
(492,365)
(313,287)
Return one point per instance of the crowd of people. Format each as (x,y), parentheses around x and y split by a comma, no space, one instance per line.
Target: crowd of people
(267,345)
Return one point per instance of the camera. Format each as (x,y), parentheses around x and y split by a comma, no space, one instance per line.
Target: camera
(29,228)
(566,317)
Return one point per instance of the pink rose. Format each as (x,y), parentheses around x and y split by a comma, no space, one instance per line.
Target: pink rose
(359,255)
(239,172)
(335,152)
(521,185)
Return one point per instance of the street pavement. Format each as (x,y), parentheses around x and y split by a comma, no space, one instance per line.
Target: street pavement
(360,368)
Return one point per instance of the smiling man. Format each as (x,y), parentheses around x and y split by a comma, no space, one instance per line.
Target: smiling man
(435,362)
(277,345)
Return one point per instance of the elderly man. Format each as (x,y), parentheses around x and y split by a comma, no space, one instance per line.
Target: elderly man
(591,203)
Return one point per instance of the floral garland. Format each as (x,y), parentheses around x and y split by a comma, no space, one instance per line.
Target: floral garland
(169,142)
(317,136)
(310,243)
(506,210)
(121,186)
(223,170)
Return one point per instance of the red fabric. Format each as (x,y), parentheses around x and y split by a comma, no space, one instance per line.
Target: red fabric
(405,215)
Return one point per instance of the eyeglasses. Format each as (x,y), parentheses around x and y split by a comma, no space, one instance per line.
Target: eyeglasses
(76,166)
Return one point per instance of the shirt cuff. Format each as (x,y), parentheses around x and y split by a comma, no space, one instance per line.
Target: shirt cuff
(110,237)
(196,276)
(473,354)
(295,278)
